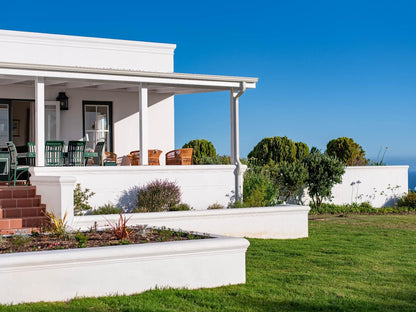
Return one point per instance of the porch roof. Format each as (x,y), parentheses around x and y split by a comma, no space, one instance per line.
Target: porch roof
(119,80)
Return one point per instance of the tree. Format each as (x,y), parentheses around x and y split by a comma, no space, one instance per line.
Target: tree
(324,172)
(202,148)
(278,149)
(290,178)
(348,151)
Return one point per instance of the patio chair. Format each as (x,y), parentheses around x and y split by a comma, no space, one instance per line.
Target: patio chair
(15,170)
(31,154)
(181,156)
(110,159)
(54,153)
(153,157)
(76,151)
(99,149)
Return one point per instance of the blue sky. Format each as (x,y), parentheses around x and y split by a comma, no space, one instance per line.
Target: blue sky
(326,68)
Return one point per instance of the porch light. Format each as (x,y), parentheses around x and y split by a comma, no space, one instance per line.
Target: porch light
(63,100)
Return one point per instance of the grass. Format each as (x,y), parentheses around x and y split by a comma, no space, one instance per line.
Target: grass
(353,263)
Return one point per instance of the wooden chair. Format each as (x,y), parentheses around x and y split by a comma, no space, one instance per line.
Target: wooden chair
(54,153)
(15,170)
(76,153)
(110,159)
(181,156)
(153,157)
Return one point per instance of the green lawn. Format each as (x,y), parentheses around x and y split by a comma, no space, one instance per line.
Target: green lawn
(354,263)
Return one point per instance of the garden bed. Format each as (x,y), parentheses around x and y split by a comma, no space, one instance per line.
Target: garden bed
(93,238)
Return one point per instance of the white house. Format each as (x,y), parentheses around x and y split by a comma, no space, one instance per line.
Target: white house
(118,90)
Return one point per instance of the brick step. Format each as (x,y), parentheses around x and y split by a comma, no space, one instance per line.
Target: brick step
(27,230)
(24,222)
(19,212)
(20,202)
(17,192)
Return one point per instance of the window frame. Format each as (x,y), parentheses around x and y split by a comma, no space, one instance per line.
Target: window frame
(109,104)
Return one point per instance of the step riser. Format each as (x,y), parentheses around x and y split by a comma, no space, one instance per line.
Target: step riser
(20,202)
(22,212)
(18,192)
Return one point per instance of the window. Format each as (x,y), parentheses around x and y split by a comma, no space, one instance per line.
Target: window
(98,124)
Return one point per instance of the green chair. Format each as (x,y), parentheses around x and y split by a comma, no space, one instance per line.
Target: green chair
(76,150)
(15,170)
(54,153)
(99,149)
(31,154)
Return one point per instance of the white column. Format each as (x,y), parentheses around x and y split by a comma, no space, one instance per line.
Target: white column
(235,145)
(232,124)
(40,121)
(144,125)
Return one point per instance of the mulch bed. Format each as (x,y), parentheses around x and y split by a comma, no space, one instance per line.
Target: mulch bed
(93,238)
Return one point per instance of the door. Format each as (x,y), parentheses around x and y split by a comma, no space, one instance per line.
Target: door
(4,124)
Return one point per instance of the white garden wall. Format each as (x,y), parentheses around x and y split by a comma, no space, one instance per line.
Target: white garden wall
(201,185)
(377,185)
(283,221)
(59,275)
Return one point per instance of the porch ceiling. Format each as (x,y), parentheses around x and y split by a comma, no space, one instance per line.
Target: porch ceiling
(118,80)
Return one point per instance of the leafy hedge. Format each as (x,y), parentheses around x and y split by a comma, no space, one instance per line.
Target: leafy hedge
(202,148)
(363,208)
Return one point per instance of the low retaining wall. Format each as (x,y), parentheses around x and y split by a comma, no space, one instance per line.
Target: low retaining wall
(284,221)
(58,275)
(201,185)
(378,185)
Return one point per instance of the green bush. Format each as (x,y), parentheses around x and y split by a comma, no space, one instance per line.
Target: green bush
(278,149)
(259,189)
(180,207)
(215,160)
(363,208)
(408,200)
(324,172)
(215,206)
(107,209)
(81,198)
(158,196)
(201,148)
(290,178)
(348,151)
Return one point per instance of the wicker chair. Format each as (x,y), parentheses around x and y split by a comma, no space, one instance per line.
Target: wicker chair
(153,157)
(181,156)
(110,159)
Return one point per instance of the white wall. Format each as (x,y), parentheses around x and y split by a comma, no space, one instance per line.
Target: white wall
(125,116)
(282,222)
(378,185)
(47,49)
(201,185)
(58,275)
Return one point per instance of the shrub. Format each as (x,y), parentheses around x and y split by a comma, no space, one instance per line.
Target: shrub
(291,179)
(107,209)
(201,148)
(81,198)
(120,228)
(57,226)
(278,149)
(180,207)
(215,160)
(158,196)
(259,189)
(324,172)
(408,200)
(348,151)
(216,206)
(363,208)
